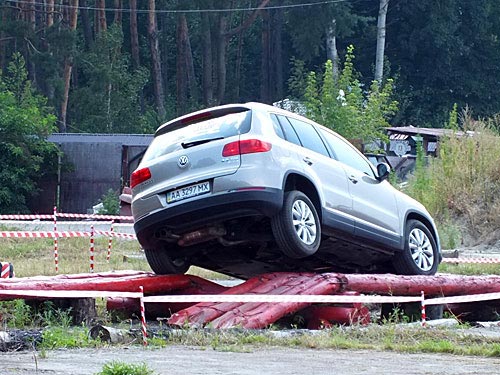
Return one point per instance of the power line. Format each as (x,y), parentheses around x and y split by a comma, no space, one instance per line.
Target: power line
(246,9)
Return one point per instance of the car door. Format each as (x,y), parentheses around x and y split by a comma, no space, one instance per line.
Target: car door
(374,205)
(328,175)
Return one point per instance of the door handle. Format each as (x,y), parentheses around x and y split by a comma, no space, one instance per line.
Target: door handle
(308,161)
(353,179)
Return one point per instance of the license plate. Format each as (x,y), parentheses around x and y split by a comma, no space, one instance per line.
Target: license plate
(188,192)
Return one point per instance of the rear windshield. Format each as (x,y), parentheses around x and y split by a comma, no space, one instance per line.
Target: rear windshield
(215,128)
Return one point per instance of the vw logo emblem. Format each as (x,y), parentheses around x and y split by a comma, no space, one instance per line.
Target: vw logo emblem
(183,161)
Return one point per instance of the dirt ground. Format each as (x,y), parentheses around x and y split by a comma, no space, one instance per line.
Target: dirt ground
(174,360)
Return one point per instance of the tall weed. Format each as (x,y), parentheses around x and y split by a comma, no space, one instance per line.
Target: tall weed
(463,183)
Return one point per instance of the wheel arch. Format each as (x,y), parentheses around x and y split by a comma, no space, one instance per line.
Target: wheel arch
(428,224)
(296,181)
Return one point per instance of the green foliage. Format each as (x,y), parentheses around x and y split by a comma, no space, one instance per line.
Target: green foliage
(122,368)
(25,121)
(16,313)
(342,105)
(109,100)
(54,337)
(110,203)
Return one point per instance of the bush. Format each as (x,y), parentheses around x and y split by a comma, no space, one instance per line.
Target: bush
(342,104)
(110,203)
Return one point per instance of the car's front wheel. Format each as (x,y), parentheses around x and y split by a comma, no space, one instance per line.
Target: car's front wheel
(296,228)
(162,264)
(420,255)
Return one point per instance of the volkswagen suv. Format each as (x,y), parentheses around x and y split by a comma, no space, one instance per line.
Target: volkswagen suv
(244,189)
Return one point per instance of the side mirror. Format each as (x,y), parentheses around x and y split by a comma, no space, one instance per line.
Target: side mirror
(383,171)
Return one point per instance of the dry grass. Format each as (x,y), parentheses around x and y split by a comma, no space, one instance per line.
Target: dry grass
(32,257)
(35,256)
(462,185)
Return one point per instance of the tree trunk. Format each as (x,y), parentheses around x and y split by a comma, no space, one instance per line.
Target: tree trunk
(223,38)
(134,45)
(266,58)
(164,47)
(193,87)
(272,58)
(50,13)
(379,61)
(68,66)
(87,27)
(331,48)
(208,92)
(100,24)
(155,59)
(118,12)
(181,76)
(221,60)
(134,35)
(277,54)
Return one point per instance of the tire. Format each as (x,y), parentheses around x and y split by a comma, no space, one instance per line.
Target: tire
(420,255)
(161,263)
(296,228)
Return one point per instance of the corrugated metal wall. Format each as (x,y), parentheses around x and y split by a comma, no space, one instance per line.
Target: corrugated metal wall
(95,168)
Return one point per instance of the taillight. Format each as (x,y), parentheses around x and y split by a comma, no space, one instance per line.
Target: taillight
(246,146)
(139,176)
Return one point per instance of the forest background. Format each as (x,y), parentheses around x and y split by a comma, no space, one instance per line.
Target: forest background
(126,66)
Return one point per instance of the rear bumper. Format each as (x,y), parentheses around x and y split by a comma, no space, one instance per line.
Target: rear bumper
(212,209)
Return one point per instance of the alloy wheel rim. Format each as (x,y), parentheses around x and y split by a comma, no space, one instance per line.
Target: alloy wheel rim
(304,222)
(421,249)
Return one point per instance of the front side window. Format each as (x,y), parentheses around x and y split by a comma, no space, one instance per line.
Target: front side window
(347,154)
(309,136)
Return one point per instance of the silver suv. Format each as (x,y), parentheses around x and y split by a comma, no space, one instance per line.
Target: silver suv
(249,188)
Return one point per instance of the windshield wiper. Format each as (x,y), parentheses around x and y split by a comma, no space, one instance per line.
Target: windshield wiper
(199,142)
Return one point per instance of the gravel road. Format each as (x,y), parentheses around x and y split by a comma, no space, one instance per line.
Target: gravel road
(183,360)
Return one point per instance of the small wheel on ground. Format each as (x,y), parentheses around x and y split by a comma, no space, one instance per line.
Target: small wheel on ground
(162,264)
(420,255)
(296,228)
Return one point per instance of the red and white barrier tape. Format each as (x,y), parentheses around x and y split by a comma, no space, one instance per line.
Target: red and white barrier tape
(95,216)
(92,249)
(281,298)
(110,242)
(143,318)
(422,304)
(463,299)
(63,234)
(26,217)
(69,293)
(482,260)
(56,255)
(65,215)
(5,270)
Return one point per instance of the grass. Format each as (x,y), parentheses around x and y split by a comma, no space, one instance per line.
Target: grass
(122,368)
(470,269)
(400,338)
(35,256)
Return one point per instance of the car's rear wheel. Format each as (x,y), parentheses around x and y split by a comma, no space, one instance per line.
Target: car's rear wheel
(161,263)
(420,255)
(296,228)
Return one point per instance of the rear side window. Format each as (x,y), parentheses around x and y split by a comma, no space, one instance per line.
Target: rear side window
(309,136)
(277,127)
(203,131)
(290,134)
